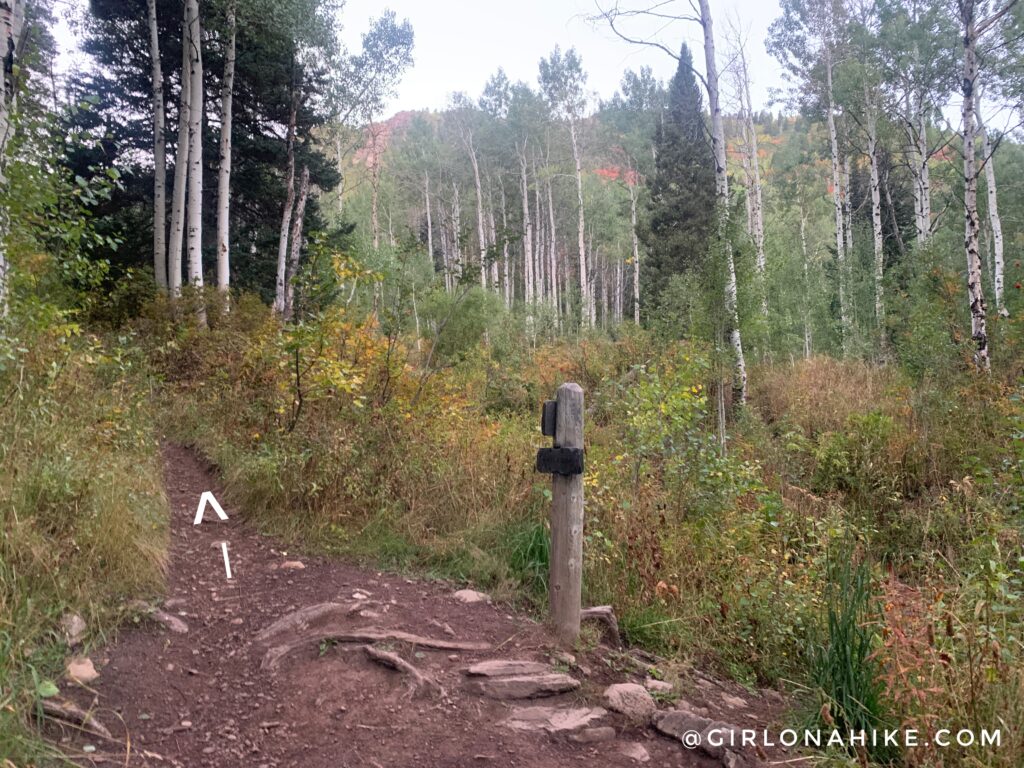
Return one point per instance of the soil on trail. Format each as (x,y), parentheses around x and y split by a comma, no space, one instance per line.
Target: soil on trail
(202,698)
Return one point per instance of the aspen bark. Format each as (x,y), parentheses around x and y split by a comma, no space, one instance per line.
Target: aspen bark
(636,252)
(12,25)
(456,243)
(181,160)
(756,196)
(280,296)
(195,160)
(807,281)
(837,202)
(467,138)
(224,171)
(540,270)
(722,191)
(995,223)
(159,154)
(528,284)
(876,216)
(972,225)
(553,257)
(506,278)
(296,243)
(430,220)
(587,310)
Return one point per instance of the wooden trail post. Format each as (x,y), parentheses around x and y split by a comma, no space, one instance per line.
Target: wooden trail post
(563,420)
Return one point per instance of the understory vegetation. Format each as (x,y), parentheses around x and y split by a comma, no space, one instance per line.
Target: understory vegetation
(856,544)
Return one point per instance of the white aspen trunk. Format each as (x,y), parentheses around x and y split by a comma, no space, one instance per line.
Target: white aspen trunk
(159,154)
(540,272)
(722,191)
(181,161)
(848,207)
(296,243)
(924,178)
(480,234)
(340,200)
(12,25)
(807,282)
(995,223)
(619,286)
(837,202)
(456,235)
(506,277)
(224,171)
(528,284)
(553,256)
(876,216)
(602,272)
(446,260)
(756,198)
(430,220)
(587,310)
(975,293)
(493,233)
(280,298)
(195,161)
(636,251)
(375,205)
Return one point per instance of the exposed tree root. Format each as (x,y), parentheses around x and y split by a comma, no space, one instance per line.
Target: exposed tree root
(364,635)
(606,615)
(394,661)
(72,713)
(304,619)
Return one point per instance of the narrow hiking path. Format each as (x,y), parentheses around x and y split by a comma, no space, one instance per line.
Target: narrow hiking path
(204,687)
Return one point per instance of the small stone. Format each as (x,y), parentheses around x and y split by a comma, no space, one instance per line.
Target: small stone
(594,735)
(561,657)
(632,700)
(469,596)
(554,719)
(186,723)
(506,668)
(657,686)
(293,565)
(369,614)
(360,595)
(81,670)
(733,702)
(527,686)
(634,751)
(453,657)
(74,628)
(237,621)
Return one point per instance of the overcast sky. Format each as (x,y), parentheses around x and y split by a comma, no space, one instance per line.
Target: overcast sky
(460,43)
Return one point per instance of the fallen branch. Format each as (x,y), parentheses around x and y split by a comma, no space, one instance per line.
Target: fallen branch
(72,713)
(304,619)
(368,635)
(396,662)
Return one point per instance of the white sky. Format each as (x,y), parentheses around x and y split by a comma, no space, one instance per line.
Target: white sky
(460,43)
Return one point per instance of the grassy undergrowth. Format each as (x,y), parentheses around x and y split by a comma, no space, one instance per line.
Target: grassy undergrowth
(335,434)
(82,509)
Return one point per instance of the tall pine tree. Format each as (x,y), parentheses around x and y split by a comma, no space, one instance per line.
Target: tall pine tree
(680,219)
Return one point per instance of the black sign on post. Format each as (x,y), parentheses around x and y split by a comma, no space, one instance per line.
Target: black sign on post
(560,461)
(548,415)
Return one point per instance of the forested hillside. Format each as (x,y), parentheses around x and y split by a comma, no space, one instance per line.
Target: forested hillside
(797,325)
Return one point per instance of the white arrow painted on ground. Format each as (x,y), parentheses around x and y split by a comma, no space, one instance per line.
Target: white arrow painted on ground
(227,564)
(207,498)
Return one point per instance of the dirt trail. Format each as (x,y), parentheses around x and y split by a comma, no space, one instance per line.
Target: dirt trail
(201,698)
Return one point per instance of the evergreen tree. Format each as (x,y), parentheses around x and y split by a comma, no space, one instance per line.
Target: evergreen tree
(680,220)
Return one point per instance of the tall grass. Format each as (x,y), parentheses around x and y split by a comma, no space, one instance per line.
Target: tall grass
(82,510)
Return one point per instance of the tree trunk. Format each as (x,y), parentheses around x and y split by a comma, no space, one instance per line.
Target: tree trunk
(296,243)
(995,223)
(481,235)
(587,310)
(524,189)
(280,288)
(159,155)
(837,202)
(457,271)
(181,160)
(976,296)
(506,278)
(722,191)
(636,251)
(553,256)
(876,217)
(430,220)
(12,24)
(807,282)
(224,172)
(756,197)
(195,161)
